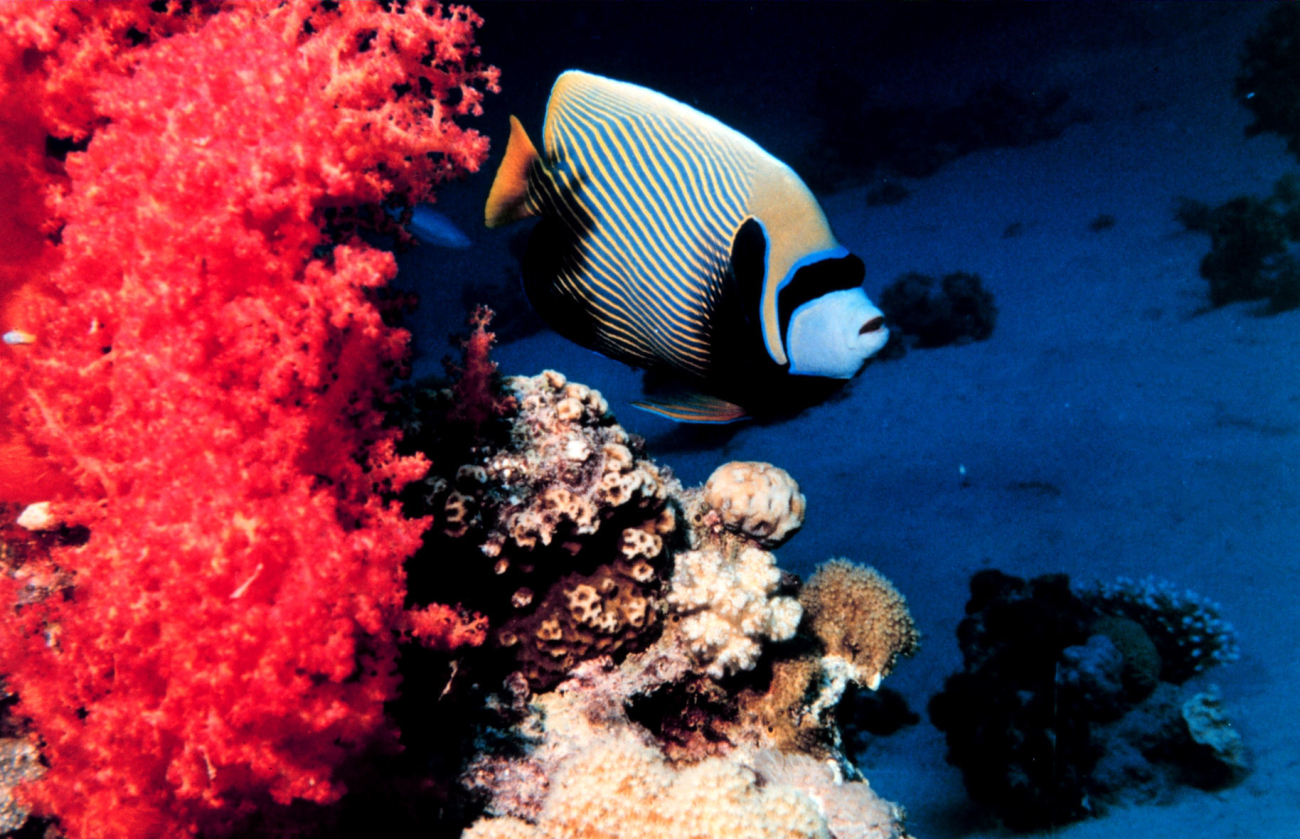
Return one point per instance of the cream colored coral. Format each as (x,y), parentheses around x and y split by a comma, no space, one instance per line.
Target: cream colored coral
(852,809)
(859,617)
(623,789)
(725,596)
(759,500)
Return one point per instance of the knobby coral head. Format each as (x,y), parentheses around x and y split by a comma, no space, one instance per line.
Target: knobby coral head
(206,375)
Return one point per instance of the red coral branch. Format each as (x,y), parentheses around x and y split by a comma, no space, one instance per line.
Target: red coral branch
(445,628)
(207,375)
(475,396)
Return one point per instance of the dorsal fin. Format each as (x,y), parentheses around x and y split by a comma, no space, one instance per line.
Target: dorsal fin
(508,199)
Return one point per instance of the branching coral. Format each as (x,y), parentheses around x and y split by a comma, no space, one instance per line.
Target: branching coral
(475,398)
(207,363)
(727,598)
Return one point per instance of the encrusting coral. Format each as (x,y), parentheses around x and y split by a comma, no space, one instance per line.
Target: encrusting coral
(560,523)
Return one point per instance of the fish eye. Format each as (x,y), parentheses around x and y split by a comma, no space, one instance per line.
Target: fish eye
(873,325)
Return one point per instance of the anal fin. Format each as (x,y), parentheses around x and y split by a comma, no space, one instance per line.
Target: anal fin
(693,407)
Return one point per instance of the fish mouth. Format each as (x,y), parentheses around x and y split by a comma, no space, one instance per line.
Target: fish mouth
(874,325)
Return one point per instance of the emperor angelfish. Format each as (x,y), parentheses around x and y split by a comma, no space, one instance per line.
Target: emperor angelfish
(669,241)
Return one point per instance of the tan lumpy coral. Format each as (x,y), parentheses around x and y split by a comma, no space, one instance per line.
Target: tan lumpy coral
(726,596)
(860,617)
(758,500)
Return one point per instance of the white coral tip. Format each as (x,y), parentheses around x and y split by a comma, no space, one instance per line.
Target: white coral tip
(37,517)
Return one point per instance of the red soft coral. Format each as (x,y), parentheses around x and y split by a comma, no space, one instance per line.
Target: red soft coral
(207,374)
(51,55)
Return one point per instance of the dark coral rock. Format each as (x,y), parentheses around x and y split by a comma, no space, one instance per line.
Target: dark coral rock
(1021,740)
(874,712)
(609,612)
(933,313)
(1269,82)
(1056,714)
(693,719)
(1254,245)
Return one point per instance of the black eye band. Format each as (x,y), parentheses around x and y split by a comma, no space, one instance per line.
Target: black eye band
(816,279)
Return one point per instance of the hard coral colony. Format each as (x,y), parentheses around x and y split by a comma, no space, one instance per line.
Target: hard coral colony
(201,391)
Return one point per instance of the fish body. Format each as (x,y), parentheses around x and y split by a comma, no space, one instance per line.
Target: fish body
(671,242)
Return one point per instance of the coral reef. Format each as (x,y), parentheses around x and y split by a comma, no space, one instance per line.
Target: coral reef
(1063,706)
(957,311)
(590,771)
(207,360)
(655,681)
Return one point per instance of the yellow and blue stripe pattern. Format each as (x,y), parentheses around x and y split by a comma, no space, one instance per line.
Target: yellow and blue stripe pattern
(654,192)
